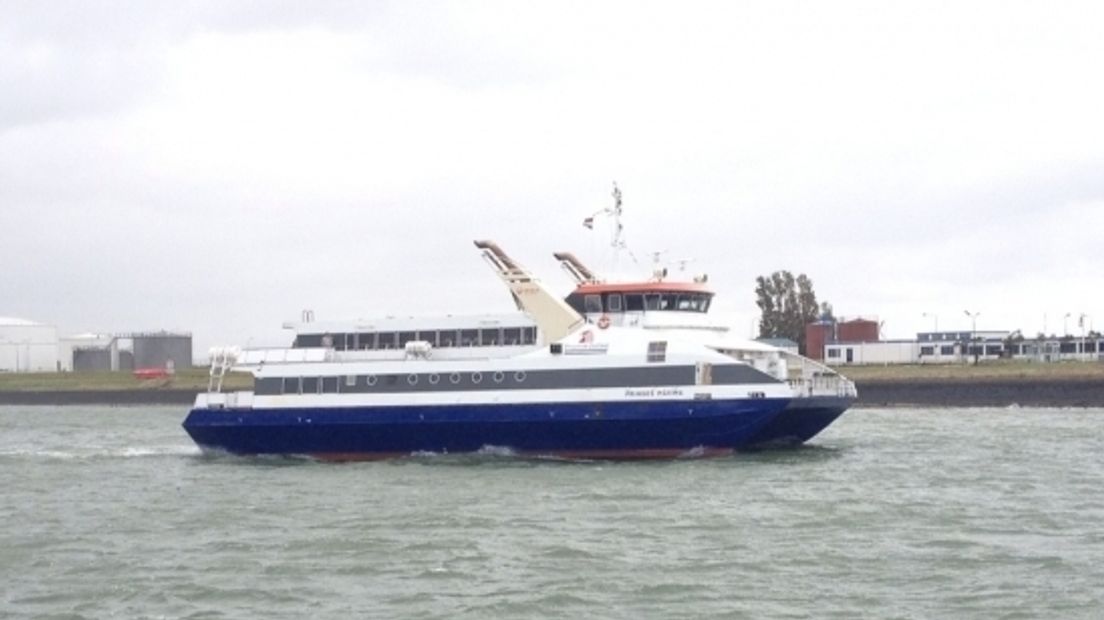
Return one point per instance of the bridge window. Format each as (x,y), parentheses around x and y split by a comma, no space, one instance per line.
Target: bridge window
(613,302)
(592,303)
(634,303)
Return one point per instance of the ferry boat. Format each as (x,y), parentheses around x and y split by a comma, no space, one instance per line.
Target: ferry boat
(595,394)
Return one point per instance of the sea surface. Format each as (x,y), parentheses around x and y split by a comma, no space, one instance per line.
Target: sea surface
(896,513)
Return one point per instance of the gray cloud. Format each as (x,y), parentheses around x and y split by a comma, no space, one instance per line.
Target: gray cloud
(219,167)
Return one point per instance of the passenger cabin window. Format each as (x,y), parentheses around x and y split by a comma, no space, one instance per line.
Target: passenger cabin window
(291,385)
(310,385)
(386,340)
(469,337)
(592,303)
(405,337)
(613,302)
(308,340)
(529,335)
(489,337)
(329,385)
(366,341)
(511,336)
(448,338)
(430,337)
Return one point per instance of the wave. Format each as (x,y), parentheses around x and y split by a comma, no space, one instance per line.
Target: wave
(99,452)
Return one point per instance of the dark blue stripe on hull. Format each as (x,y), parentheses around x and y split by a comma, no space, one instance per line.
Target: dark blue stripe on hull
(801,420)
(560,428)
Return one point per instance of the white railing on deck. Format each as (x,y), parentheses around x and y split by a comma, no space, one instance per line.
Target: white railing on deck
(810,378)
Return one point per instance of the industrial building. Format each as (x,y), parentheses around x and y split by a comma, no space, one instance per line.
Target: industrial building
(132,351)
(26,346)
(860,344)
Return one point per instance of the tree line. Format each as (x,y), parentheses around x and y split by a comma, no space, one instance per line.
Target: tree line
(786,305)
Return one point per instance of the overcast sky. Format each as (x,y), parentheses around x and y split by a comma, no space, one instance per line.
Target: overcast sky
(219,166)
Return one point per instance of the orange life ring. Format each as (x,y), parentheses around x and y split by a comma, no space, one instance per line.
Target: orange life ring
(604,321)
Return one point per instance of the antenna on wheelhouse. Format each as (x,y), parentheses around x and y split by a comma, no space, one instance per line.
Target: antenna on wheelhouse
(617,240)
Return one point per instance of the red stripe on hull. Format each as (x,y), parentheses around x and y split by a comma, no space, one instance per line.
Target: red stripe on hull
(570,455)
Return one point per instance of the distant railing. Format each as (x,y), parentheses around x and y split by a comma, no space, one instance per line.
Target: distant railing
(810,378)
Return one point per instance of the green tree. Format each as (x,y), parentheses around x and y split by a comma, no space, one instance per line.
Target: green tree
(787,304)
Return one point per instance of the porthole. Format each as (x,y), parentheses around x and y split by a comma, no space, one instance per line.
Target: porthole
(477,377)
(499,376)
(454,377)
(519,376)
(412,379)
(371,380)
(434,378)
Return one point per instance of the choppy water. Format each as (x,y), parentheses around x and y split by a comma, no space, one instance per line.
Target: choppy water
(111,512)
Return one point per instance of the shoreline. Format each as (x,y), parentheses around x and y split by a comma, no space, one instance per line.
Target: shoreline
(1037,392)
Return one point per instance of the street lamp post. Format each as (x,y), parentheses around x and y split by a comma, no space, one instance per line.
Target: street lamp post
(1081,323)
(935,321)
(973,333)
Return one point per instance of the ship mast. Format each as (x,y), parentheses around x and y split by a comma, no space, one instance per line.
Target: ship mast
(617,239)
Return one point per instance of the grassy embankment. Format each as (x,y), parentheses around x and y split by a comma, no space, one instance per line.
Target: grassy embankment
(194,379)
(987,371)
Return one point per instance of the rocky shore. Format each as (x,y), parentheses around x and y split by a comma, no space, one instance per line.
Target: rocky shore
(1003,392)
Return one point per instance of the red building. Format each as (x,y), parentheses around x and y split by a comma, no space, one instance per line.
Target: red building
(857,330)
(824,332)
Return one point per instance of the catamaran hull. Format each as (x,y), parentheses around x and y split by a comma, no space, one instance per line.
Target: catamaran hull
(801,420)
(612,430)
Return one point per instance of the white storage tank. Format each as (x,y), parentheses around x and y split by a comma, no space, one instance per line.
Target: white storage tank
(26,346)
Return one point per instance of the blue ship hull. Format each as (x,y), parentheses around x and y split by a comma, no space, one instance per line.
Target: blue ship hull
(572,430)
(801,420)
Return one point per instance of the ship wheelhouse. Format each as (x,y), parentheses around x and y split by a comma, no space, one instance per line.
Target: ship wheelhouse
(617,299)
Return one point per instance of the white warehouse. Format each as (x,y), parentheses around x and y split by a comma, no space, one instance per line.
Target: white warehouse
(26,346)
